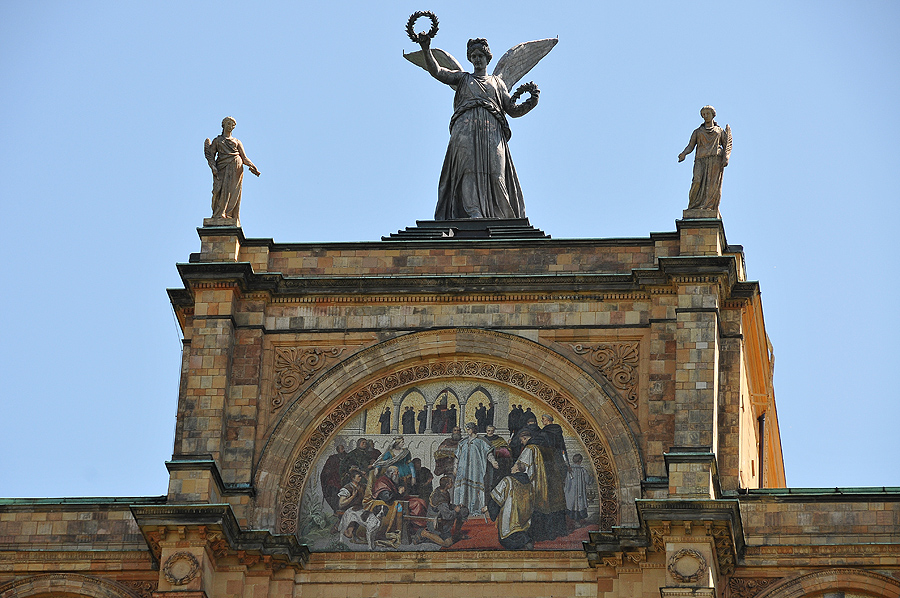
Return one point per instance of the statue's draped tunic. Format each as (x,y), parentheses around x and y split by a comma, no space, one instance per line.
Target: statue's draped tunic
(226,194)
(709,161)
(478,179)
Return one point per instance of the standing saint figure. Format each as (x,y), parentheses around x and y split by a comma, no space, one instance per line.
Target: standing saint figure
(713,151)
(226,159)
(478,179)
(473,456)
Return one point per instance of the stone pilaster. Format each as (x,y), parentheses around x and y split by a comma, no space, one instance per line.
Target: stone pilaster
(661,390)
(200,427)
(730,363)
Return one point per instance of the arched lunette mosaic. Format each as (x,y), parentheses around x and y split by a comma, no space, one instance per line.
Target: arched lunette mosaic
(454,368)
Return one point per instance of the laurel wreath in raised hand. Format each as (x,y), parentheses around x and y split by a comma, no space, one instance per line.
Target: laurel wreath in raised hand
(412,21)
(529,88)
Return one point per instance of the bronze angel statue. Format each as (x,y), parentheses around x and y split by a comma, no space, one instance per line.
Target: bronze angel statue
(478,179)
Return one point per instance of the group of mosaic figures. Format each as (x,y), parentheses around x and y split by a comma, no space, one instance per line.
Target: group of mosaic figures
(478,179)
(527,485)
(443,419)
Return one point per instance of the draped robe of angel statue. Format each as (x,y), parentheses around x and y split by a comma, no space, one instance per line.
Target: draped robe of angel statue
(478,178)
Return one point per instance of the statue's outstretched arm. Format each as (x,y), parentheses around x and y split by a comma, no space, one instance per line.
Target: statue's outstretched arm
(690,147)
(250,166)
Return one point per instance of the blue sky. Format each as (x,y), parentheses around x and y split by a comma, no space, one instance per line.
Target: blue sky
(108,104)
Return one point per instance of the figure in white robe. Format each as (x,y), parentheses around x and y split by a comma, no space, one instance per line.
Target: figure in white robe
(577,482)
(473,456)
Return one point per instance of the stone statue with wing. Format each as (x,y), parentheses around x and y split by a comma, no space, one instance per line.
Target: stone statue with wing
(478,179)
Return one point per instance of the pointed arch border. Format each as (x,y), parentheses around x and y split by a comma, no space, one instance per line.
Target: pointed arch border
(319,412)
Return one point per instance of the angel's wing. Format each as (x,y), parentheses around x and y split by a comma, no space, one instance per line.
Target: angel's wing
(208,151)
(727,142)
(442,58)
(521,58)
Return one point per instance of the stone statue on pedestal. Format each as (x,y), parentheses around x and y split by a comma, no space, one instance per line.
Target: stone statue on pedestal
(226,159)
(478,179)
(713,151)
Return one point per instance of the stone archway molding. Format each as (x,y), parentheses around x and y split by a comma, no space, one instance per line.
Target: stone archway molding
(308,422)
(53,584)
(856,580)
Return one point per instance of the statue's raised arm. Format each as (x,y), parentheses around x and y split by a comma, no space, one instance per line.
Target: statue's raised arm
(478,179)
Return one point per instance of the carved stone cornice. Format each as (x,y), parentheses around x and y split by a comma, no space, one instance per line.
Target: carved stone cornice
(618,363)
(294,366)
(717,520)
(607,479)
(215,527)
(608,548)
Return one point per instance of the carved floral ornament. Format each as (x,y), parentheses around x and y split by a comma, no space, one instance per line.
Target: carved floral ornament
(478,369)
(296,365)
(618,362)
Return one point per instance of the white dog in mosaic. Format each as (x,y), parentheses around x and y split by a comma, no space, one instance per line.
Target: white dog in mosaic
(368,520)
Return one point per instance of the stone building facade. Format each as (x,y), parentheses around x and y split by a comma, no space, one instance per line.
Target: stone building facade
(650,353)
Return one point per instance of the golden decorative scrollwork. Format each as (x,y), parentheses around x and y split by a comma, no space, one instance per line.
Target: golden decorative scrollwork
(618,363)
(596,449)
